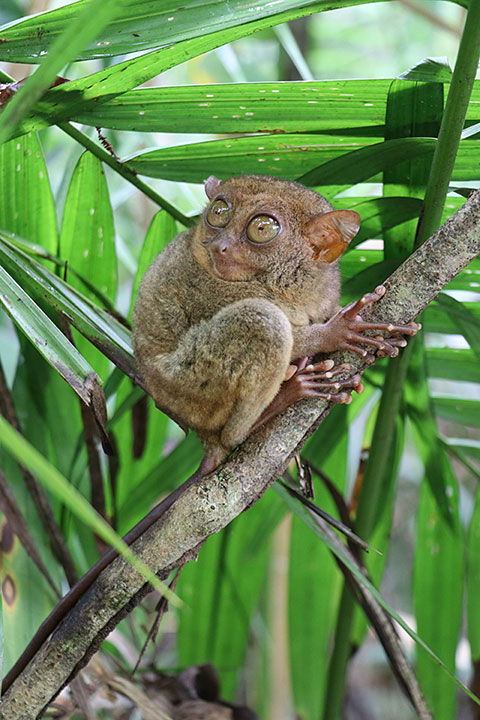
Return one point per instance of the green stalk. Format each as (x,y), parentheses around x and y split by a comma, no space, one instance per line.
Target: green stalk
(375,472)
(118,167)
(452,125)
(437,187)
(125,172)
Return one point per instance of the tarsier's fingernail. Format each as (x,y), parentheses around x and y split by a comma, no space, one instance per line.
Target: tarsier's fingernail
(390,327)
(328,364)
(337,386)
(402,343)
(328,375)
(380,290)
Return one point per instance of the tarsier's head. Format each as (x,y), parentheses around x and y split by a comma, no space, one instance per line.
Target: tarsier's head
(256,225)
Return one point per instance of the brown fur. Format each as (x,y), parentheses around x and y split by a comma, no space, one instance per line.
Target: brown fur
(215,351)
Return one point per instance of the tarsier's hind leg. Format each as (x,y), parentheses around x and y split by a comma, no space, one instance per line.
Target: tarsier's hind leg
(233,365)
(271,341)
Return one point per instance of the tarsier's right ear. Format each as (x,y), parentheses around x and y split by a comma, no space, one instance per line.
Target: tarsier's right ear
(331,232)
(211,186)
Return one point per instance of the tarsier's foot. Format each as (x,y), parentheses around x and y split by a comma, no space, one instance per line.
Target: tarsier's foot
(318,380)
(347,325)
(305,379)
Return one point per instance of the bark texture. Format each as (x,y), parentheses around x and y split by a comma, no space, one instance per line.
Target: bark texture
(213,502)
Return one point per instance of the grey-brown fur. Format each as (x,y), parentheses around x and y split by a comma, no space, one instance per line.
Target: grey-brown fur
(215,352)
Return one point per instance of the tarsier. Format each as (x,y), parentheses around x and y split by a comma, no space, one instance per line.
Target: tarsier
(231,313)
(228,320)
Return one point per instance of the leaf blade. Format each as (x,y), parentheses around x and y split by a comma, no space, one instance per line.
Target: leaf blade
(45,335)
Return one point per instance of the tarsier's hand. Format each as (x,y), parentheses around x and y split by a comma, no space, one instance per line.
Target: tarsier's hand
(347,327)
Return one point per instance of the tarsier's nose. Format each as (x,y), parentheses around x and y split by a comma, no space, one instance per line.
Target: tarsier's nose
(221,245)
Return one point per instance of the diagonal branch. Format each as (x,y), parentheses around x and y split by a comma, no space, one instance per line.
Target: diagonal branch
(210,504)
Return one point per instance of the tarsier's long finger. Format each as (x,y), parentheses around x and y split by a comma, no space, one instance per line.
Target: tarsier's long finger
(291,371)
(304,365)
(367,299)
(368,358)
(352,382)
(399,342)
(342,398)
(410,329)
(377,342)
(322,372)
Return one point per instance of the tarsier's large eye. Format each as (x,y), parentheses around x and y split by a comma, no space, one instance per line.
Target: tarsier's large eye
(218,214)
(262,229)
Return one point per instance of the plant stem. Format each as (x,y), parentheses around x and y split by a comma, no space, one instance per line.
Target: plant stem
(452,125)
(437,187)
(375,472)
(119,167)
(125,172)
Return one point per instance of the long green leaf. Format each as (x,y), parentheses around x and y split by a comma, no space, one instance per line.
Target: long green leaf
(26,200)
(168,472)
(467,323)
(340,163)
(437,320)
(45,335)
(54,481)
(333,162)
(88,215)
(438,589)
(97,325)
(473,580)
(419,409)
(453,364)
(94,15)
(413,109)
(458,410)
(429,70)
(309,640)
(106,84)
(146,24)
(322,106)
(225,583)
(247,107)
(344,556)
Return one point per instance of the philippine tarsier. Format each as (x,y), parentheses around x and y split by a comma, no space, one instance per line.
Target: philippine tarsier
(229,317)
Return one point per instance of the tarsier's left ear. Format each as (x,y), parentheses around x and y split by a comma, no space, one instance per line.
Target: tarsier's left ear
(331,232)
(211,186)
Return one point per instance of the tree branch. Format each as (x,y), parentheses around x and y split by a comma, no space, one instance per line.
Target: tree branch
(209,505)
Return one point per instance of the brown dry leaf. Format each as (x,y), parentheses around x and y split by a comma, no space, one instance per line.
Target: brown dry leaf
(201,710)
(158,709)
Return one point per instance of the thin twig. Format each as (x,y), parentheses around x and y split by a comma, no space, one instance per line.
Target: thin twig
(39,498)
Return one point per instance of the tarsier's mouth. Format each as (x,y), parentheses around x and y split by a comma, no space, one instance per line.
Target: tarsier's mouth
(231,270)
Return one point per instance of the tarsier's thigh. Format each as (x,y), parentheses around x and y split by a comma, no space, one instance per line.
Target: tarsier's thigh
(237,358)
